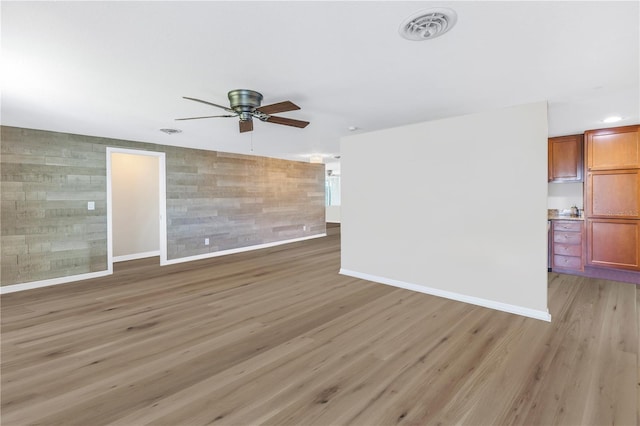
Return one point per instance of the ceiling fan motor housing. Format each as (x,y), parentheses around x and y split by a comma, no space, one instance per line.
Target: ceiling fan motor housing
(244,101)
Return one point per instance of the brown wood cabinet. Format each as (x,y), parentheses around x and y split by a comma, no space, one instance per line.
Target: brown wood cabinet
(612,197)
(615,148)
(565,158)
(613,243)
(567,248)
(613,194)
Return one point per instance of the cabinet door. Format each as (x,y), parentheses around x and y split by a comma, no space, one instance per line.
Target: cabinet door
(614,193)
(565,159)
(613,243)
(615,148)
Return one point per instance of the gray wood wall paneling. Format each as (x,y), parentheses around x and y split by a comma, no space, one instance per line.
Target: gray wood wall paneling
(234,200)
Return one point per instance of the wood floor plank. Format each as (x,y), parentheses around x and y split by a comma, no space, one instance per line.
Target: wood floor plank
(339,381)
(331,347)
(278,337)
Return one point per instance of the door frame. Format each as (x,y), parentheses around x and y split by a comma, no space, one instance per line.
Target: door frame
(162,201)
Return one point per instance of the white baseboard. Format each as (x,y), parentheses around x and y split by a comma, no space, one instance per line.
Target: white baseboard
(505,307)
(53,281)
(136,256)
(240,249)
(63,280)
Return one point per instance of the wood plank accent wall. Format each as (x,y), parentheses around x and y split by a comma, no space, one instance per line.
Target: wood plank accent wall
(239,200)
(234,200)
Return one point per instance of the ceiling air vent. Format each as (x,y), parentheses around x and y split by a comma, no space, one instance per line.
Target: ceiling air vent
(171,131)
(428,24)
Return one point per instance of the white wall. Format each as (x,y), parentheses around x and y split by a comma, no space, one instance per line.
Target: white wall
(454,207)
(565,195)
(332,214)
(136,214)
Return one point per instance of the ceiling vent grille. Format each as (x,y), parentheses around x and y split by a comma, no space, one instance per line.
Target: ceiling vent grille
(171,131)
(428,24)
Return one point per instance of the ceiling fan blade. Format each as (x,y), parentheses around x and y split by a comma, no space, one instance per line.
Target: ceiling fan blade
(209,103)
(246,126)
(287,121)
(207,116)
(279,107)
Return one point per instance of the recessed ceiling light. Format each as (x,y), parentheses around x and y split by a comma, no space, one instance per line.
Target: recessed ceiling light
(171,131)
(352,128)
(612,119)
(427,24)
(316,159)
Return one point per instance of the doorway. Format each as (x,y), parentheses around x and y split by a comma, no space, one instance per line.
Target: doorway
(136,205)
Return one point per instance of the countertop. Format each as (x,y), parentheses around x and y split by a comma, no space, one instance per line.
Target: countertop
(559,217)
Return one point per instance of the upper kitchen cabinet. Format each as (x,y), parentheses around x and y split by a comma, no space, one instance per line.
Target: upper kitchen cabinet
(565,158)
(613,193)
(615,148)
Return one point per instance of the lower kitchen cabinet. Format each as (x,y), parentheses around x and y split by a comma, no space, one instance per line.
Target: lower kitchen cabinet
(567,246)
(613,243)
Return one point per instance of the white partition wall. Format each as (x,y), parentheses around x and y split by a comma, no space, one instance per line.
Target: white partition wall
(453,207)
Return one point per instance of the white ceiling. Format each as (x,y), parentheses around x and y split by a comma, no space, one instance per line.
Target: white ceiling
(120,69)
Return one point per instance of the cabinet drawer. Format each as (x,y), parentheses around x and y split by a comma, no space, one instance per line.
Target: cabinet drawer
(573,226)
(567,237)
(569,262)
(567,249)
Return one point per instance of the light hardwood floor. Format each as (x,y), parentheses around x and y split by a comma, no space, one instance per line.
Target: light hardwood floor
(277,337)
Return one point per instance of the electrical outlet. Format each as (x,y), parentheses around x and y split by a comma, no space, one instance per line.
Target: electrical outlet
(91,205)
(304,228)
(206,241)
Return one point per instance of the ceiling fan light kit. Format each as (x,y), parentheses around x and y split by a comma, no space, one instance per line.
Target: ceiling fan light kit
(245,104)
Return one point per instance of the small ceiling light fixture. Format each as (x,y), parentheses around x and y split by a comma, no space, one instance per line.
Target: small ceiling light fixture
(427,24)
(612,119)
(171,131)
(352,128)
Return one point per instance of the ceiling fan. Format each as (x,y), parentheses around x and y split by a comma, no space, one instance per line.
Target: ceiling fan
(245,104)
